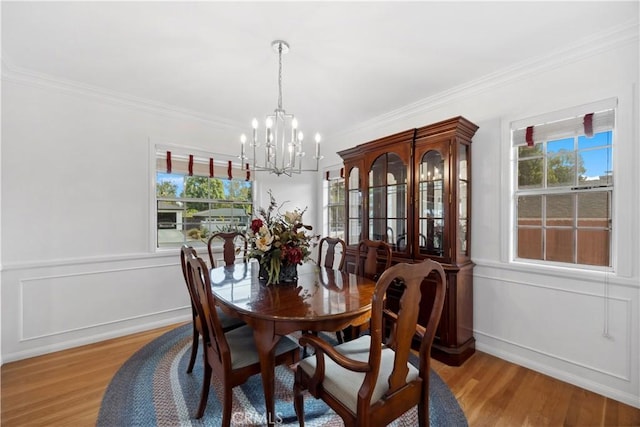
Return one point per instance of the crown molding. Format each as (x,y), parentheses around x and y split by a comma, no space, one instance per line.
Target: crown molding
(618,36)
(621,35)
(16,74)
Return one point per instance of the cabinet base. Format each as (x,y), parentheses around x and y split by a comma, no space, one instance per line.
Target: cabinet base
(454,356)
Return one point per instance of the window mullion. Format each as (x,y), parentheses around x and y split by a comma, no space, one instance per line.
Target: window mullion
(543,218)
(575,228)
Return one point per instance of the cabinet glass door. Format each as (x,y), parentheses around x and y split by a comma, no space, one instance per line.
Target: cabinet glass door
(463,200)
(388,201)
(431,212)
(355,207)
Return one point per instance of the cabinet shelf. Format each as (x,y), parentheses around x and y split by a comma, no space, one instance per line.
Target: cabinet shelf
(413,190)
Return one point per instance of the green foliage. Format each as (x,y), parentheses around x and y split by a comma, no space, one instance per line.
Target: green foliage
(231,227)
(530,173)
(561,167)
(198,234)
(201,187)
(239,191)
(166,189)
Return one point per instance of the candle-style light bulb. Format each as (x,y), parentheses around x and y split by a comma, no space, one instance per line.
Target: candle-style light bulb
(317,138)
(254,133)
(294,127)
(299,138)
(268,123)
(243,140)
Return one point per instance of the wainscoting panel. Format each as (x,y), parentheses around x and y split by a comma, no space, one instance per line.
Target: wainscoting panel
(52,307)
(558,324)
(572,329)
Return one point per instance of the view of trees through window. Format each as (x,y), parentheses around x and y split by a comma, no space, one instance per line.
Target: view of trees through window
(191,208)
(335,207)
(563,200)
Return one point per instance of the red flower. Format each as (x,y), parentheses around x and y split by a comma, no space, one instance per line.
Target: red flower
(256,224)
(293,254)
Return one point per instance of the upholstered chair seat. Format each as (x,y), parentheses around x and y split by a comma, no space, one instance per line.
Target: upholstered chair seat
(343,384)
(243,348)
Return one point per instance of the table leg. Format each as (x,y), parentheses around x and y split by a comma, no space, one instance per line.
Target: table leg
(266,342)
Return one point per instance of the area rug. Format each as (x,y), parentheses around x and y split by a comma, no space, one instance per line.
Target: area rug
(152,388)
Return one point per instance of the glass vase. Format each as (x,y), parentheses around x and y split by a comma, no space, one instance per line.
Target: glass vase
(288,274)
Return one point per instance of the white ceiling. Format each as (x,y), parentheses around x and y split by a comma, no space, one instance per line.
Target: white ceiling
(349,61)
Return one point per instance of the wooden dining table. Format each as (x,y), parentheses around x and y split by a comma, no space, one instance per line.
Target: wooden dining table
(322,299)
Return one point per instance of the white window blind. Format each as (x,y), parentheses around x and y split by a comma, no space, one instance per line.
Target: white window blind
(200,166)
(600,122)
(565,123)
(332,174)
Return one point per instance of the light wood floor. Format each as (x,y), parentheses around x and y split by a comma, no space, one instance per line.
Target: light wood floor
(66,388)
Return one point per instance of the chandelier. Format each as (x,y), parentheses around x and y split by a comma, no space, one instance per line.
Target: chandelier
(283,153)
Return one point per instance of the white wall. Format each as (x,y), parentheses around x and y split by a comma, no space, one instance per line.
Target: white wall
(551,320)
(77,264)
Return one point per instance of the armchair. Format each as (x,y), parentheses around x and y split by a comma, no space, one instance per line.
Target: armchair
(368,382)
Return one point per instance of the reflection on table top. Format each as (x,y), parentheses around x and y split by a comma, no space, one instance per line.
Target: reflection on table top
(319,293)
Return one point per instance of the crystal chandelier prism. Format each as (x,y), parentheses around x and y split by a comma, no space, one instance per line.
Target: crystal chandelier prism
(282,151)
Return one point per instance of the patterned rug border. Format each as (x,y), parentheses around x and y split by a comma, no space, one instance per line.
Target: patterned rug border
(152,388)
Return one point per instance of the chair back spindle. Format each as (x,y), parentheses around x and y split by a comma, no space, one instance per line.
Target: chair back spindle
(229,247)
(369,250)
(330,255)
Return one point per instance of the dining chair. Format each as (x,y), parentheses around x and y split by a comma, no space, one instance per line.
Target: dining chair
(367,255)
(229,248)
(330,255)
(231,355)
(228,322)
(369,382)
(330,258)
(370,250)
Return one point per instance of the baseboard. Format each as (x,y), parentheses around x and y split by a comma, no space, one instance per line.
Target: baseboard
(581,382)
(91,339)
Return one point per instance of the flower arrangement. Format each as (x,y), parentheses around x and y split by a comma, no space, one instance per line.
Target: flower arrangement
(278,241)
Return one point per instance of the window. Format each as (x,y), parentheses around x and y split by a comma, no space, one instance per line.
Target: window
(335,207)
(196,197)
(564,189)
(355,207)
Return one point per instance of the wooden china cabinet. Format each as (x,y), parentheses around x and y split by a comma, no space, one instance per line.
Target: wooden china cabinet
(413,190)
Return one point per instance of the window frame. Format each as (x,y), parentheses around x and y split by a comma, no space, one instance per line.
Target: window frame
(155,150)
(510,250)
(331,178)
